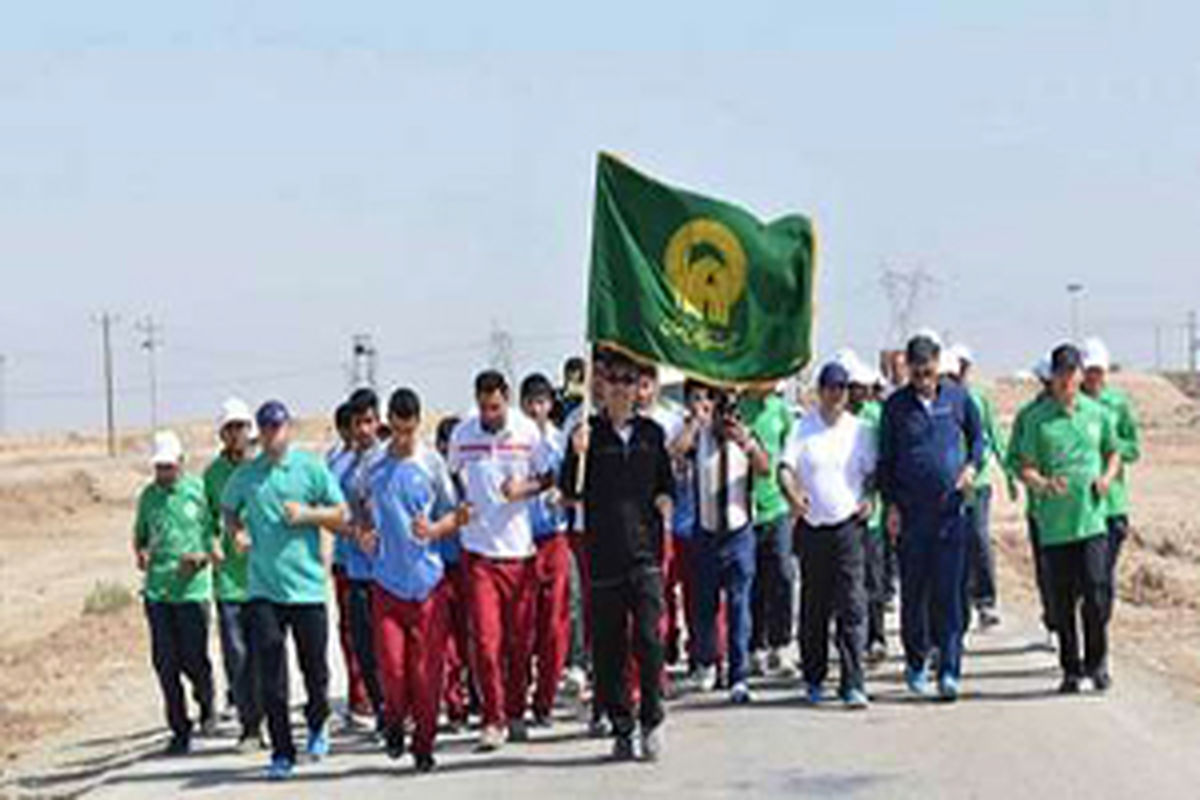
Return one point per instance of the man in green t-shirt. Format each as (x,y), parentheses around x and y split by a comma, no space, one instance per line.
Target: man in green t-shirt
(771,595)
(230,579)
(275,506)
(1069,460)
(170,542)
(1096,366)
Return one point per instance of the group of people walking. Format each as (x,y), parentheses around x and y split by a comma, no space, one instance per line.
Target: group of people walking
(577,546)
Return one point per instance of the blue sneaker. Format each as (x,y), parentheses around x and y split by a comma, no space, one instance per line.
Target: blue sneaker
(814,695)
(948,688)
(280,768)
(855,700)
(318,743)
(918,682)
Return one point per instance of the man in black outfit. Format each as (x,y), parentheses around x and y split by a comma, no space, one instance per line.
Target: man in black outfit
(626,496)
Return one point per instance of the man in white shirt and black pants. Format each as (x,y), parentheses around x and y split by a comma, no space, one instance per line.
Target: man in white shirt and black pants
(826,471)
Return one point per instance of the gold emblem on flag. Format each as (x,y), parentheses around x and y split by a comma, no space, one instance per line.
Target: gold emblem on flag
(706,267)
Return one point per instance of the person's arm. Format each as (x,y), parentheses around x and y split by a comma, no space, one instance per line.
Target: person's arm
(885,467)
(1129,440)
(973,435)
(664,487)
(1110,450)
(141,538)
(789,482)
(326,506)
(756,454)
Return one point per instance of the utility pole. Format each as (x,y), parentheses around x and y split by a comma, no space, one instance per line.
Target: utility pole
(1158,355)
(3,395)
(500,351)
(364,361)
(1074,290)
(150,343)
(107,320)
(1193,342)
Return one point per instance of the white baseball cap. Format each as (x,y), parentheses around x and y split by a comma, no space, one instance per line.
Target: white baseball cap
(1041,368)
(928,333)
(948,363)
(963,353)
(168,450)
(1095,354)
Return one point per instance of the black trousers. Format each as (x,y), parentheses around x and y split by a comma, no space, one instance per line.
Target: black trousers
(362,632)
(875,582)
(773,592)
(623,609)
(1118,529)
(178,647)
(832,585)
(1042,572)
(241,664)
(309,626)
(1079,573)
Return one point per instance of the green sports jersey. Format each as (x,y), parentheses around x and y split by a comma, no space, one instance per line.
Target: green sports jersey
(993,440)
(1129,445)
(231,576)
(1072,444)
(171,522)
(870,414)
(285,563)
(770,421)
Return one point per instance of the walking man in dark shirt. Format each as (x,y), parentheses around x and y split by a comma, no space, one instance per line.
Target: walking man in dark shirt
(626,495)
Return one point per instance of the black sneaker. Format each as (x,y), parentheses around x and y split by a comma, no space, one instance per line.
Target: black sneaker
(623,747)
(178,746)
(1101,681)
(542,720)
(1069,685)
(425,762)
(394,742)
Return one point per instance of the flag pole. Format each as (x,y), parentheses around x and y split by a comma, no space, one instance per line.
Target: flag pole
(585,415)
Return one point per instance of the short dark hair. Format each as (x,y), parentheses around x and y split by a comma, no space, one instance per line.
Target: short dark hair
(691,384)
(536,385)
(572,365)
(361,401)
(614,359)
(921,350)
(647,369)
(489,381)
(445,429)
(341,416)
(404,404)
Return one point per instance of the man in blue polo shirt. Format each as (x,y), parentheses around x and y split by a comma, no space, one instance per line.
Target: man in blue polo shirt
(930,449)
(275,506)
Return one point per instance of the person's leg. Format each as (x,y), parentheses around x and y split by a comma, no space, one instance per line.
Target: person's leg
(268,632)
(356,690)
(164,655)
(915,550)
(233,650)
(782,597)
(949,569)
(454,646)
(192,627)
(250,691)
(609,653)
(554,621)
(849,603)
(761,589)
(486,602)
(1041,569)
(1064,564)
(364,641)
(646,599)
(425,657)
(815,581)
(390,657)
(685,557)
(519,584)
(310,630)
(672,606)
(737,576)
(707,594)
(1118,529)
(1097,589)
(983,566)
(873,584)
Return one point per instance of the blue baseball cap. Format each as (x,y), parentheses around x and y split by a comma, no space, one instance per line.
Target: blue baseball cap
(271,414)
(833,374)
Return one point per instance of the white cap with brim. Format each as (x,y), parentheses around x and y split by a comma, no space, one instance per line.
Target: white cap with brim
(928,333)
(963,353)
(948,363)
(1095,354)
(234,409)
(1041,368)
(168,450)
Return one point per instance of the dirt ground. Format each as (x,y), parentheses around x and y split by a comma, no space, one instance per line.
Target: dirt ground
(66,512)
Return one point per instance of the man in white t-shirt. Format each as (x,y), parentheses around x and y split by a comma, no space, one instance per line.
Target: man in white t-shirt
(499,460)
(826,473)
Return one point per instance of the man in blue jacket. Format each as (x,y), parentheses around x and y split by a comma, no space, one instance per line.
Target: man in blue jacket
(930,449)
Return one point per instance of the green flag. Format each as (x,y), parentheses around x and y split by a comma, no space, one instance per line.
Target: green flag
(697,283)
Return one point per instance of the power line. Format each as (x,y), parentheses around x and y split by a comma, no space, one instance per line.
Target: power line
(905,289)
(501,351)
(364,360)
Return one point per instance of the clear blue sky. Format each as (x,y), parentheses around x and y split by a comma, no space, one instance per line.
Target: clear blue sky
(269,178)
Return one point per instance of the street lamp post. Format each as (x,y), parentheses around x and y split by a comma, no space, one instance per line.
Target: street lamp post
(1074,290)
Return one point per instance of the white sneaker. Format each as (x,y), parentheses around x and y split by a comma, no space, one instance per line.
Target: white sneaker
(652,743)
(574,682)
(739,695)
(774,660)
(758,663)
(706,679)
